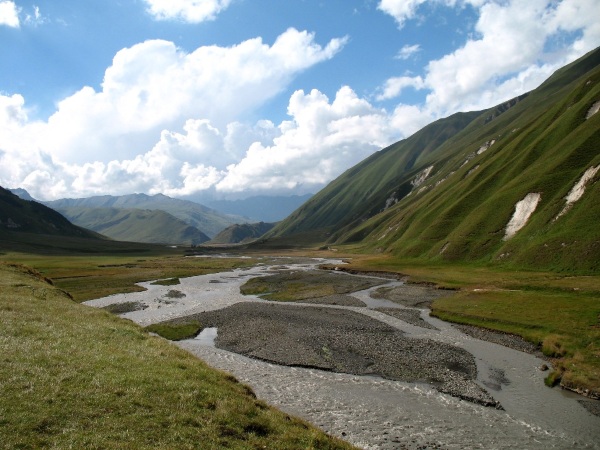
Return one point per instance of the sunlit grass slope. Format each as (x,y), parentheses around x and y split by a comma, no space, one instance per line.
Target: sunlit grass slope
(78,377)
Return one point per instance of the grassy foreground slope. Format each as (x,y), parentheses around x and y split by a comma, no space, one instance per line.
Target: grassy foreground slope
(78,377)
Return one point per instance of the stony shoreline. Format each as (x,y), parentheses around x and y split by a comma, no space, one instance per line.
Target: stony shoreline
(505,339)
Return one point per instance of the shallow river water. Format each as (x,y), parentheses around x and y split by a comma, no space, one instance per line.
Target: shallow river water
(374,413)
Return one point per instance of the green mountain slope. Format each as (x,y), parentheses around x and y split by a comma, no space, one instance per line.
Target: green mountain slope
(204,219)
(450,190)
(241,233)
(136,225)
(23,216)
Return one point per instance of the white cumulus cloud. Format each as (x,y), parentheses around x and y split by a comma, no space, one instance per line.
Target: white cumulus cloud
(165,120)
(9,14)
(154,86)
(506,55)
(320,141)
(192,11)
(408,50)
(401,10)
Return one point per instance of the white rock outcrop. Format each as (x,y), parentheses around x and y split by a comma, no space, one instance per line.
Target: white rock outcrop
(390,201)
(577,191)
(593,110)
(523,211)
(485,146)
(421,176)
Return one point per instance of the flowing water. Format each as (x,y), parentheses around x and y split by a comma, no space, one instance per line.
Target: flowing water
(374,413)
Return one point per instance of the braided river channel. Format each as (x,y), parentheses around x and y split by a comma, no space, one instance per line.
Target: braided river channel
(369,411)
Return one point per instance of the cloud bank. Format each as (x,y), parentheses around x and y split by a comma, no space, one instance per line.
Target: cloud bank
(176,122)
(190,11)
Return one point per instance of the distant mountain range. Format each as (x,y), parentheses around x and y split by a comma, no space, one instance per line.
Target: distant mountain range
(242,233)
(162,219)
(516,185)
(206,220)
(141,218)
(136,225)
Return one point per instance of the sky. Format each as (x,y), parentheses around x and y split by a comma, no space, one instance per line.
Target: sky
(234,98)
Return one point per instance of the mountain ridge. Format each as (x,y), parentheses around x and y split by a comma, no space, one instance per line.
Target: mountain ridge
(29,216)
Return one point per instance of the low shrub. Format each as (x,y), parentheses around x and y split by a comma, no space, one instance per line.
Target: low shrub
(175,332)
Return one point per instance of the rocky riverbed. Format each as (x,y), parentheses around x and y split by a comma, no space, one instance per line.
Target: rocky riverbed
(370,368)
(343,341)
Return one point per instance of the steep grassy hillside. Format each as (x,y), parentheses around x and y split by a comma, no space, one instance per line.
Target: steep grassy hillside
(450,191)
(136,225)
(23,216)
(205,219)
(78,377)
(363,190)
(242,233)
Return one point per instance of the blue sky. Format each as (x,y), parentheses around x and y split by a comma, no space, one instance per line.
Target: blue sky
(232,98)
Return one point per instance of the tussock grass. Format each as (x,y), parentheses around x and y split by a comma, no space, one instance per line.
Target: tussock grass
(78,377)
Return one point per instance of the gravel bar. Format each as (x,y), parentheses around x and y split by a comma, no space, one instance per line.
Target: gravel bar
(343,341)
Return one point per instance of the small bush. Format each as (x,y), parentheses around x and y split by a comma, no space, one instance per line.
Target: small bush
(175,332)
(553,347)
(553,378)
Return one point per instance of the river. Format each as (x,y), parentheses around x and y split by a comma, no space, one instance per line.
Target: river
(374,413)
